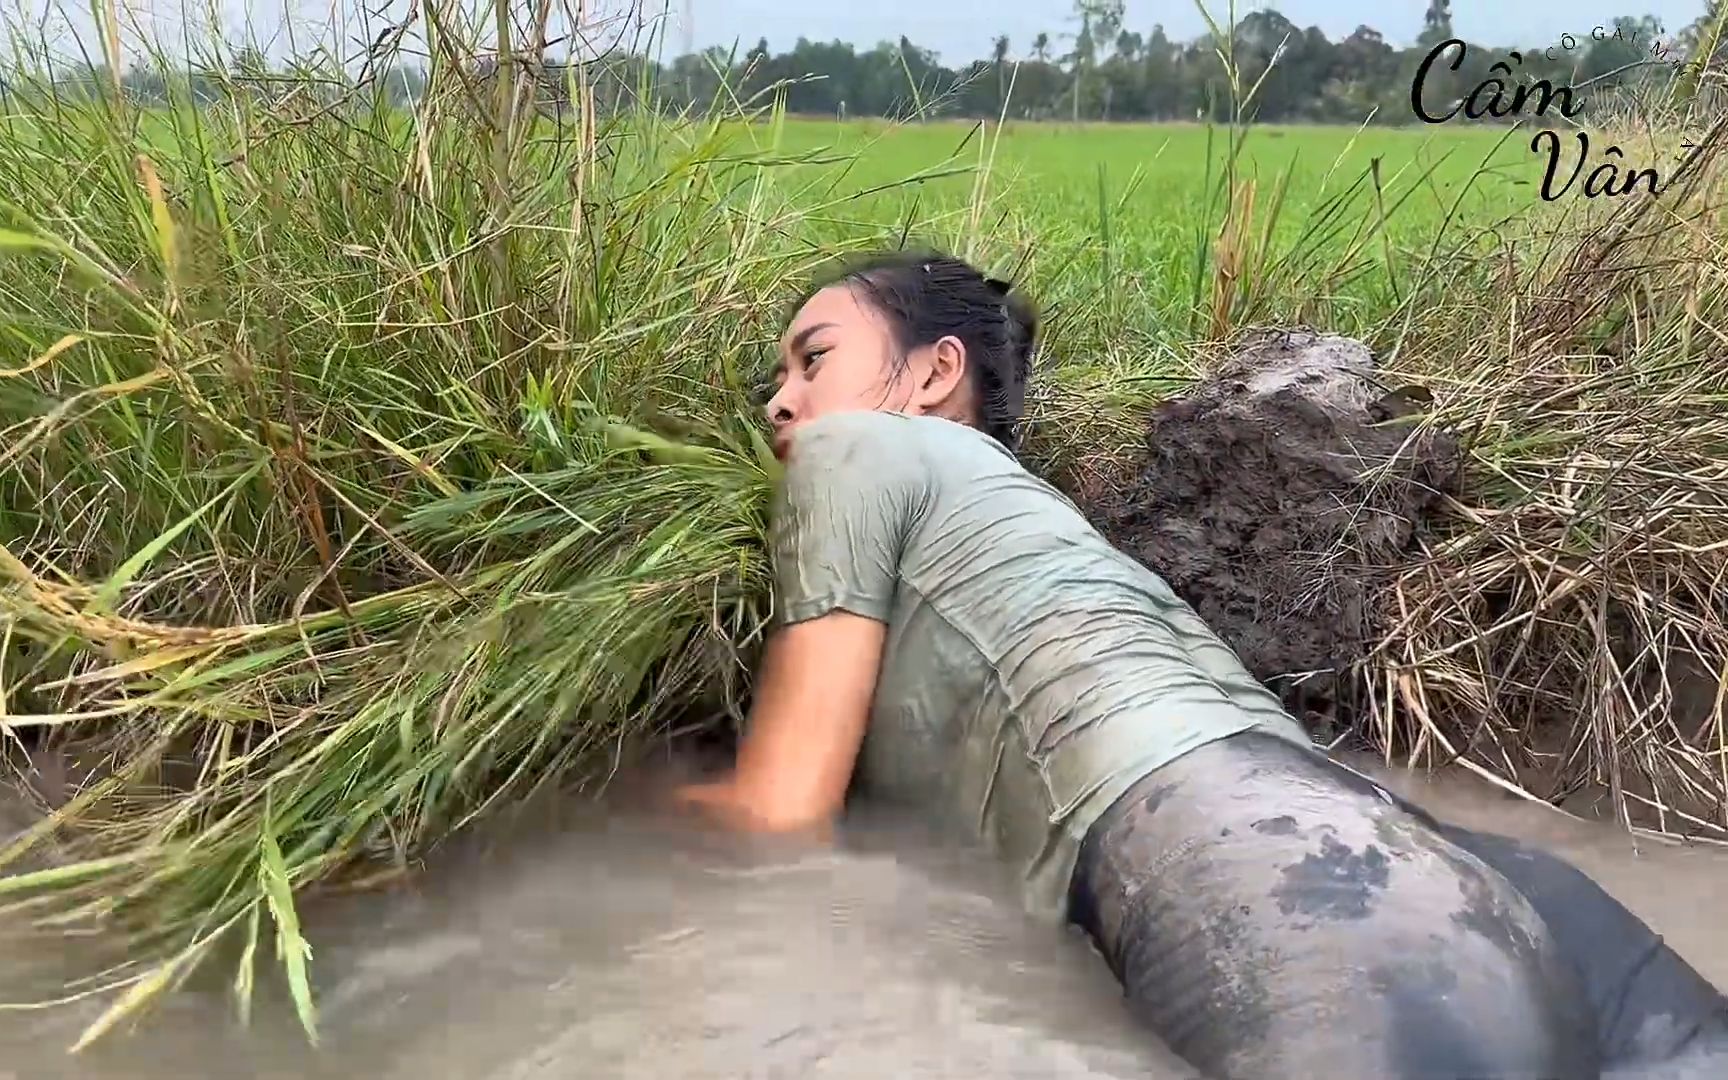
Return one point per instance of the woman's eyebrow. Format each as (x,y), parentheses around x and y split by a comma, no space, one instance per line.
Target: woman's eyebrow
(803,336)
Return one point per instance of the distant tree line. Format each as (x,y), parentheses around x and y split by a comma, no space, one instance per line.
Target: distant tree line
(1104,70)
(1101,70)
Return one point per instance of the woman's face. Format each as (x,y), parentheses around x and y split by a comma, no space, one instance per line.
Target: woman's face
(838,354)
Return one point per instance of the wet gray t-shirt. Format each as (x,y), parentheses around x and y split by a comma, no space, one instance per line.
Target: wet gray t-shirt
(1032,672)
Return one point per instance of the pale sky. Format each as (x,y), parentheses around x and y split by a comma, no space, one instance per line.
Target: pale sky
(958,30)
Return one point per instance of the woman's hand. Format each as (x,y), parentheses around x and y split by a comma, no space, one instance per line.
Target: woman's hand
(720,802)
(716,799)
(806,726)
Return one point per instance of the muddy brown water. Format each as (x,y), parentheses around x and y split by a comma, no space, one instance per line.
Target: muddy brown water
(584,941)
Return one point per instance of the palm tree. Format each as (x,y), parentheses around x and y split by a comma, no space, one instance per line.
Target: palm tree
(999,60)
(1041,47)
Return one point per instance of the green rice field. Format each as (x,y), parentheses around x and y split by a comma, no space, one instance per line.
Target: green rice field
(1153,174)
(1123,207)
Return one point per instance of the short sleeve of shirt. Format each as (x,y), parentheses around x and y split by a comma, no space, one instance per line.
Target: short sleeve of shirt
(853,490)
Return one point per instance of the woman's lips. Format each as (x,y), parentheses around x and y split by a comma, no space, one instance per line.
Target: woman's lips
(782,445)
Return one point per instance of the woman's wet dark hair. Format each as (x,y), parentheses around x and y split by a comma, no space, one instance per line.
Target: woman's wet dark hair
(928,296)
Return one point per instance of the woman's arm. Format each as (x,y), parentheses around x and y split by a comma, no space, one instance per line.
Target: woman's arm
(854,488)
(806,725)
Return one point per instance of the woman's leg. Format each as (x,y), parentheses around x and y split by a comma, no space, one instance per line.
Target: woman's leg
(1649,1004)
(1273,915)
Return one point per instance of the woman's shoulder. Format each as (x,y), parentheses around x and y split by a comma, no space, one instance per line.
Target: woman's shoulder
(889,436)
(851,424)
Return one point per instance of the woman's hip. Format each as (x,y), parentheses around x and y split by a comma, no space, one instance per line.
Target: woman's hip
(1271,914)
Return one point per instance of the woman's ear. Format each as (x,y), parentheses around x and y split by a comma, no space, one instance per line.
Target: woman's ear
(943,377)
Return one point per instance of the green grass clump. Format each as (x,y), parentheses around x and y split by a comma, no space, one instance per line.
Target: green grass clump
(362,467)
(359,468)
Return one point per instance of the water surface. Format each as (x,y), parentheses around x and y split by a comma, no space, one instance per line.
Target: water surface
(581,941)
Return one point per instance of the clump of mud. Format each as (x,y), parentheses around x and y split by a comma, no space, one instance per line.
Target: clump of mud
(1277,494)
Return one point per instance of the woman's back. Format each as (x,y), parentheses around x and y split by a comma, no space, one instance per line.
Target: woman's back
(1032,672)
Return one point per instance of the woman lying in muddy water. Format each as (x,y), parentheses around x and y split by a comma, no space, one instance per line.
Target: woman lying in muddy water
(954,628)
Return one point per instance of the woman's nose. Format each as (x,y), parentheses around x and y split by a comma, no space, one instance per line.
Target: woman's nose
(778,409)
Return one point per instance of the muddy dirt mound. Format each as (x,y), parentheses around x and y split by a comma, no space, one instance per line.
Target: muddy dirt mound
(1276,495)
